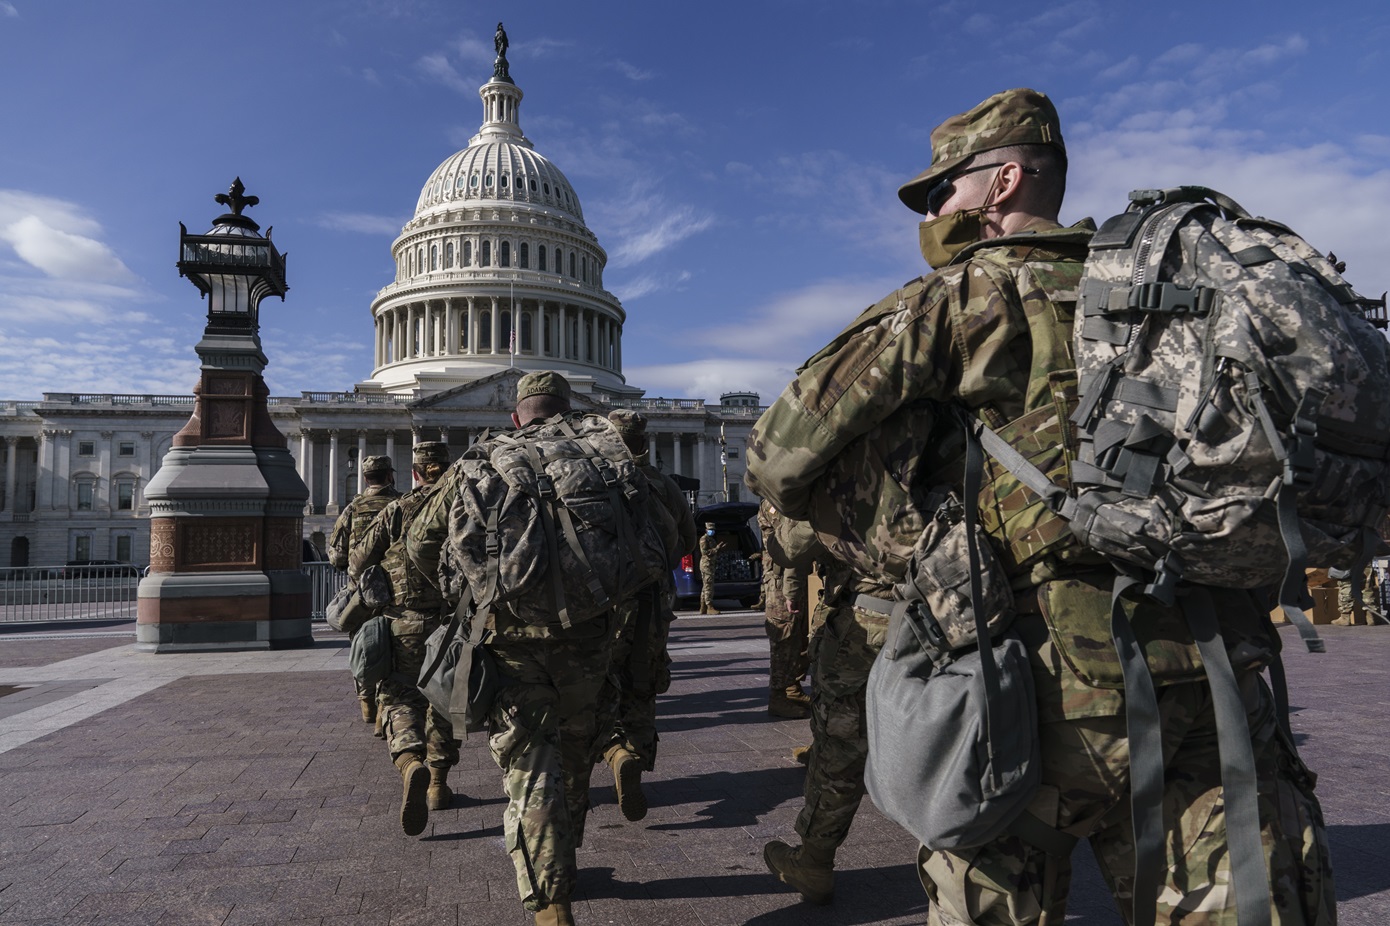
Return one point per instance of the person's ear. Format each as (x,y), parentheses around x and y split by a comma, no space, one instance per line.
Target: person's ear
(1007,182)
(516,422)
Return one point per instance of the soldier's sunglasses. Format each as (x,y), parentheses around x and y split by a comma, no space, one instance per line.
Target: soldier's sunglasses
(938,194)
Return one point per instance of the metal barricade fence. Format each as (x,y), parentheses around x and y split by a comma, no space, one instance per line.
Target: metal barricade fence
(68,593)
(108,592)
(326,583)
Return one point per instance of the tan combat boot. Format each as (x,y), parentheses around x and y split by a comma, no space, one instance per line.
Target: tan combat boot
(368,706)
(557,914)
(439,796)
(415,781)
(810,869)
(627,778)
(802,754)
(380,730)
(781,704)
(797,695)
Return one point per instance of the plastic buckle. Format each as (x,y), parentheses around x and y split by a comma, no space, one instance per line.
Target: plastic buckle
(545,486)
(936,637)
(1170,298)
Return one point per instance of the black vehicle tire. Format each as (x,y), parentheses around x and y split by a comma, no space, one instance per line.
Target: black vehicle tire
(749,601)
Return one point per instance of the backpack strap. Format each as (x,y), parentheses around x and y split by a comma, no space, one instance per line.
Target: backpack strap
(1239,786)
(548,508)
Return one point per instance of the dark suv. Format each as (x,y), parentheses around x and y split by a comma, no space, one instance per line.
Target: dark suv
(99,569)
(739,573)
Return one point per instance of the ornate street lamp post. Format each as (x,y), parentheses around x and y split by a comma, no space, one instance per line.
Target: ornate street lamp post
(226,506)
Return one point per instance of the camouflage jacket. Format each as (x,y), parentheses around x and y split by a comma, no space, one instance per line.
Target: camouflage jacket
(679,535)
(782,578)
(864,437)
(384,544)
(352,524)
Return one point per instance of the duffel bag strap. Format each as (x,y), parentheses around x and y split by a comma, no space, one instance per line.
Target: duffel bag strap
(453,625)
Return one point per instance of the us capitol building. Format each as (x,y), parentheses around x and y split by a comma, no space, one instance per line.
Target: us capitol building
(496,275)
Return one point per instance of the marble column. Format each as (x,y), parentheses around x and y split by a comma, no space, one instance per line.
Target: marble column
(102,500)
(677,450)
(496,325)
(304,455)
(472,326)
(361,458)
(700,444)
(333,461)
(391,452)
(451,313)
(11,447)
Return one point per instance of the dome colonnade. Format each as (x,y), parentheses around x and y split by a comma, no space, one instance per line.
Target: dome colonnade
(497,268)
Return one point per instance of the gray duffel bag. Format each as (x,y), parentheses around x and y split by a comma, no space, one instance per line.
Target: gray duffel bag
(952,727)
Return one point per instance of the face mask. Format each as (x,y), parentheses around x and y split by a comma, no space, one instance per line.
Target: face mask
(945,236)
(710,533)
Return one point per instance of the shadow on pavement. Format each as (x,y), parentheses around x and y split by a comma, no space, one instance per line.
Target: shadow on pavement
(737,799)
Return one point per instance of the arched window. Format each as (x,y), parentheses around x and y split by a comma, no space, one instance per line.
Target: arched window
(504,257)
(473,181)
(487,181)
(526,332)
(540,258)
(434,257)
(485,329)
(420,259)
(546,188)
(486,260)
(449,255)
(584,265)
(503,181)
(468,253)
(411,271)
(572,263)
(463,330)
(525,256)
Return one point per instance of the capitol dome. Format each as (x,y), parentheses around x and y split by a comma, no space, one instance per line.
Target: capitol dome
(497,269)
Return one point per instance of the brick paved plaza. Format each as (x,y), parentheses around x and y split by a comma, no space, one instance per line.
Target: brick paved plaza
(241,788)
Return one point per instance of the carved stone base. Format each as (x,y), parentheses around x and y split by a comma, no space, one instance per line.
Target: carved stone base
(223,611)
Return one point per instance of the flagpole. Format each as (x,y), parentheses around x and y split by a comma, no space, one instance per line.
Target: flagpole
(724,459)
(511,347)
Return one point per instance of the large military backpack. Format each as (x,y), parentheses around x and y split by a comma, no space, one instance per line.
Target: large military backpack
(550,523)
(1231,426)
(1231,422)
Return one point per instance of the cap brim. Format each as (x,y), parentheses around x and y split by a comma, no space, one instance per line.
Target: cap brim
(914,192)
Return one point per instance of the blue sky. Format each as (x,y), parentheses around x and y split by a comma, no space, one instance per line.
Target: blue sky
(738,162)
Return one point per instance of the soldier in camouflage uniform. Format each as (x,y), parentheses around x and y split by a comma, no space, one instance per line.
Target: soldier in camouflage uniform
(985,331)
(786,620)
(352,524)
(641,668)
(543,726)
(420,738)
(710,551)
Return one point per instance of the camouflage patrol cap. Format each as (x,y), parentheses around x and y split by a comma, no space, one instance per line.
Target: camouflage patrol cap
(374,465)
(430,451)
(1014,117)
(542,382)
(628,422)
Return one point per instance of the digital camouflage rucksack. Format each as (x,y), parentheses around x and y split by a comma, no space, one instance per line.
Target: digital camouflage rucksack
(1230,427)
(1233,420)
(550,523)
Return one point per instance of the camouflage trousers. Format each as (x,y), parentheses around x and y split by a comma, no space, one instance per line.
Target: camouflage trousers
(544,738)
(640,669)
(787,637)
(706,587)
(409,722)
(1085,793)
(844,651)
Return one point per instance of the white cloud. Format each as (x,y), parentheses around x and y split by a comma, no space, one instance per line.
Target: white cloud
(8,10)
(708,379)
(632,72)
(362,222)
(660,228)
(793,325)
(96,361)
(56,237)
(436,67)
(630,290)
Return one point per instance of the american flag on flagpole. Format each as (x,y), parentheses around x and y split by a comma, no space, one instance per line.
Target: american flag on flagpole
(511,341)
